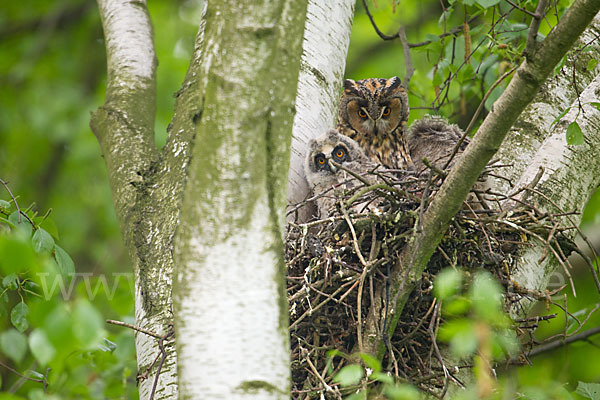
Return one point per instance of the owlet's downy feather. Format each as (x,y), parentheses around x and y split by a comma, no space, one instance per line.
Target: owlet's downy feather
(325,179)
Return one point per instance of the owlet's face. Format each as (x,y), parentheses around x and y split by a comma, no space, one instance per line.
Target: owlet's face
(372,109)
(332,146)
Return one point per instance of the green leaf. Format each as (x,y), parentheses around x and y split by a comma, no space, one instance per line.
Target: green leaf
(382,377)
(486,297)
(447,283)
(589,390)
(49,225)
(574,134)
(17,254)
(64,261)
(5,205)
(402,392)
(461,335)
(13,344)
(595,104)
(87,324)
(42,241)
(349,375)
(24,225)
(18,317)
(11,281)
(41,347)
(456,306)
(487,3)
(371,362)
(592,64)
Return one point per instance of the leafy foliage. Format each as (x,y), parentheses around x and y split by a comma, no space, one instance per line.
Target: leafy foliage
(50,334)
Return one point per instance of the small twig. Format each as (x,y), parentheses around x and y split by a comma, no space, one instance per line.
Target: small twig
(42,381)
(13,198)
(135,328)
(354,238)
(407,59)
(161,346)
(381,34)
(318,375)
(521,8)
(534,27)
(563,341)
(485,97)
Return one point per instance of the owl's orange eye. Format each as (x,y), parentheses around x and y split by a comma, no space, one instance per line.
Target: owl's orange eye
(362,113)
(320,160)
(387,111)
(339,154)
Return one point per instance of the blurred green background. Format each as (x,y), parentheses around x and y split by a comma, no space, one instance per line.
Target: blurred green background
(53,74)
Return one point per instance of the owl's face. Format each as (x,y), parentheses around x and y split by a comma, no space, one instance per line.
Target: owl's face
(332,146)
(373,108)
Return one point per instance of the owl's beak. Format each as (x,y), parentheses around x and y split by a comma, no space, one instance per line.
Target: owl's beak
(332,167)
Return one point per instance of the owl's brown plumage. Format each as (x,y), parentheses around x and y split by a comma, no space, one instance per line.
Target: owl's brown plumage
(374,113)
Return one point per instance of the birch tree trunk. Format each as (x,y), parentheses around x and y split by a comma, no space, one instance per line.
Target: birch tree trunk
(140,182)
(324,51)
(571,173)
(229,292)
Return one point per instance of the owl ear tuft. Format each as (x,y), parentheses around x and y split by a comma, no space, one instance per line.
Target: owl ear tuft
(393,82)
(349,84)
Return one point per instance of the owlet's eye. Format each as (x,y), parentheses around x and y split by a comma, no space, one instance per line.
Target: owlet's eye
(339,154)
(386,111)
(362,113)
(320,160)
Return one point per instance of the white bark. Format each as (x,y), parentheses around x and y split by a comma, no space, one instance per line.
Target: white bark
(556,95)
(572,174)
(229,298)
(124,126)
(231,304)
(129,45)
(324,50)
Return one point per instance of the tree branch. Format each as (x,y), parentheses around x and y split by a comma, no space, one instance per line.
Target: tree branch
(540,11)
(124,125)
(521,90)
(563,342)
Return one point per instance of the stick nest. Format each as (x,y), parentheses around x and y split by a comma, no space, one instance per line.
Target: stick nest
(335,265)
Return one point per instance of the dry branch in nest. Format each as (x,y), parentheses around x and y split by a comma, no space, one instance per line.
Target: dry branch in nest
(336,264)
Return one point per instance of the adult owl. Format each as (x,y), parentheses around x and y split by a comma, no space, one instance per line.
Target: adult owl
(325,179)
(374,113)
